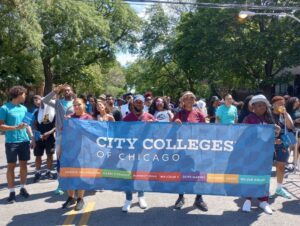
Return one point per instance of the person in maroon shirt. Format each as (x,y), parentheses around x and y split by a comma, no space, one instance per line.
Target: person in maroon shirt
(260,115)
(79,113)
(189,114)
(137,114)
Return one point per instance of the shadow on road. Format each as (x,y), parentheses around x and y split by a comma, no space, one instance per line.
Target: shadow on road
(152,216)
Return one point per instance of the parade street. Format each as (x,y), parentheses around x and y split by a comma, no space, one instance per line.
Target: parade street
(43,207)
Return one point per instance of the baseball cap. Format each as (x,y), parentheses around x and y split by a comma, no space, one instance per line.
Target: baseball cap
(259,98)
(139,97)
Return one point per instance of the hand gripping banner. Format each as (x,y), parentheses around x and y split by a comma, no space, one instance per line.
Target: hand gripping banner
(214,159)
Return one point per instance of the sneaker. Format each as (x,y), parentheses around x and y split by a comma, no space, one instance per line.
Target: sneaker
(49,175)
(37,177)
(200,204)
(179,203)
(24,193)
(266,207)
(282,192)
(11,198)
(79,204)
(58,191)
(142,203)
(70,201)
(247,206)
(126,206)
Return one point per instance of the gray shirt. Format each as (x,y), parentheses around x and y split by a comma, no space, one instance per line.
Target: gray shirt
(62,108)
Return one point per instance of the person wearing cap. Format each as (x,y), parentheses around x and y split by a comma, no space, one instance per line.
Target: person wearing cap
(227,112)
(137,114)
(212,107)
(189,114)
(259,115)
(281,156)
(102,97)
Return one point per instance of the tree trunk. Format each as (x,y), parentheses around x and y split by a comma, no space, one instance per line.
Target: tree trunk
(268,89)
(48,75)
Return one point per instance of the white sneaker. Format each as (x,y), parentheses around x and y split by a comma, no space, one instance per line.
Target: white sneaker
(142,203)
(126,206)
(266,207)
(247,206)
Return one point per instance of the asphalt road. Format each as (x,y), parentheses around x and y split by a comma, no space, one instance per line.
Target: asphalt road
(43,208)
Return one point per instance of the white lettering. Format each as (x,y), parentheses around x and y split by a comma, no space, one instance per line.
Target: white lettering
(148,141)
(156,144)
(131,143)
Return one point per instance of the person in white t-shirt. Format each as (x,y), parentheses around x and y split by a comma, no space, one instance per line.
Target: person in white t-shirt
(202,106)
(160,110)
(125,107)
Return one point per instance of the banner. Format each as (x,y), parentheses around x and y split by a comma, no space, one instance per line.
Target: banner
(233,160)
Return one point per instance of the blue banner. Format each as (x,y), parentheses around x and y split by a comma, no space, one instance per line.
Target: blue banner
(215,159)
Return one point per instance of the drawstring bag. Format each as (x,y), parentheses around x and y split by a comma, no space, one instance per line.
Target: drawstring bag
(288,138)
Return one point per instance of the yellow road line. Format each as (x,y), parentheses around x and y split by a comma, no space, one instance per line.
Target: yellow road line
(86,213)
(71,216)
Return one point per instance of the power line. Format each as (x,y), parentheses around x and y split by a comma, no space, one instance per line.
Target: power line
(217,5)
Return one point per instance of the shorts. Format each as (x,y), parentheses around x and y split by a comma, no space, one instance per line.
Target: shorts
(281,153)
(20,150)
(41,146)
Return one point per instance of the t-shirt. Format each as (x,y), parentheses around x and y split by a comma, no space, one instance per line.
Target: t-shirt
(163,116)
(252,118)
(144,117)
(83,116)
(227,115)
(12,115)
(124,110)
(190,116)
(66,103)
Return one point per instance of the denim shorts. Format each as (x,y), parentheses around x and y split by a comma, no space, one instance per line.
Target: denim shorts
(20,150)
(281,153)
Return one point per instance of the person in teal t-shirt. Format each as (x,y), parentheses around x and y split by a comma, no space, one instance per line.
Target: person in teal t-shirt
(227,113)
(17,134)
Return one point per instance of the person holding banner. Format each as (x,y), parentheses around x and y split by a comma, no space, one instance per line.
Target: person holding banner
(137,114)
(63,107)
(17,136)
(194,115)
(260,115)
(80,113)
(281,156)
(160,110)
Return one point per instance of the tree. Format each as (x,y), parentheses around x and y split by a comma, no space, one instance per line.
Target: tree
(20,41)
(77,34)
(63,41)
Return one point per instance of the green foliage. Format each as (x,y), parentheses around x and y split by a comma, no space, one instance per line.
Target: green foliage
(214,47)
(65,41)
(20,41)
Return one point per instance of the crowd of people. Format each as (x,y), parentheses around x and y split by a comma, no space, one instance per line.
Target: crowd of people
(44,133)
